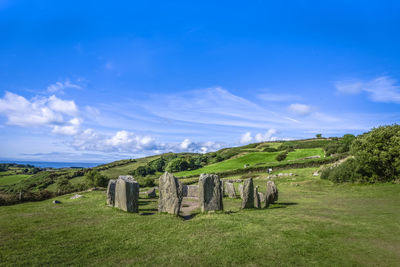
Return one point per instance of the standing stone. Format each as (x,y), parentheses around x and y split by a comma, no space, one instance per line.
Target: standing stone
(272,193)
(240,187)
(257,201)
(127,194)
(210,192)
(261,196)
(111,193)
(193,191)
(248,194)
(170,191)
(230,190)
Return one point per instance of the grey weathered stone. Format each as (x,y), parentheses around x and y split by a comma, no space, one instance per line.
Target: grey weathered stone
(127,194)
(193,191)
(76,196)
(184,190)
(111,192)
(257,201)
(230,190)
(151,193)
(248,194)
(210,192)
(170,191)
(272,193)
(240,188)
(261,196)
(222,187)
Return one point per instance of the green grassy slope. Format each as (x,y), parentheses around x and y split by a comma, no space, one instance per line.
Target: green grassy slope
(252,158)
(13,178)
(314,223)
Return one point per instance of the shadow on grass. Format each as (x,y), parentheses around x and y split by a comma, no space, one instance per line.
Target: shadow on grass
(282,205)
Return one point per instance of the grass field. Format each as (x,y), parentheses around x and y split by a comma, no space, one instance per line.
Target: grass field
(314,223)
(12,179)
(252,159)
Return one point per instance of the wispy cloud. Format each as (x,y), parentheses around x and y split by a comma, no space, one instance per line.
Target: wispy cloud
(61,86)
(300,109)
(279,97)
(382,89)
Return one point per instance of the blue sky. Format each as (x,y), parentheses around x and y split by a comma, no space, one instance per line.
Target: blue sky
(104,80)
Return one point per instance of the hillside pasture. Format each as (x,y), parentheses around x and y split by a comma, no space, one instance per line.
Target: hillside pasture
(313,223)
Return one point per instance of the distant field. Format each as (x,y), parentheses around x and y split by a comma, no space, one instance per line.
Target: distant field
(251,159)
(114,172)
(12,179)
(314,223)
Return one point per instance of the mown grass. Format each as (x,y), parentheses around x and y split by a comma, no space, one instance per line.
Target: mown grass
(314,223)
(252,159)
(13,179)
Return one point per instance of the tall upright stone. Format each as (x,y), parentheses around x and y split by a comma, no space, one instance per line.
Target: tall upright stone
(272,194)
(240,188)
(127,194)
(230,190)
(248,194)
(210,192)
(111,193)
(257,200)
(170,194)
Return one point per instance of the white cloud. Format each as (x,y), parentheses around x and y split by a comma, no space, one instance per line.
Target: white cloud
(382,89)
(62,106)
(259,137)
(185,144)
(299,109)
(60,86)
(268,136)
(39,111)
(246,138)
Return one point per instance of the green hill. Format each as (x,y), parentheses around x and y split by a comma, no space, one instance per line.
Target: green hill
(314,223)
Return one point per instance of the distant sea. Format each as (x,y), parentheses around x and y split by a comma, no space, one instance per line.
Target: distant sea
(44,164)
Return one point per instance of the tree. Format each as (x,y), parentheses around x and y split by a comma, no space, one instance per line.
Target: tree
(63,184)
(176,165)
(94,178)
(377,153)
(318,135)
(376,157)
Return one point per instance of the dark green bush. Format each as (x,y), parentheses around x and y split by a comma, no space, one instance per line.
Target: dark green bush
(95,178)
(281,156)
(376,158)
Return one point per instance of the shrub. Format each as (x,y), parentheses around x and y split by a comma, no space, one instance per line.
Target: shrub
(345,172)
(94,178)
(281,156)
(376,158)
(177,165)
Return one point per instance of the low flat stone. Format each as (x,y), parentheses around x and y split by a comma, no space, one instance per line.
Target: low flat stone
(192,191)
(151,193)
(76,196)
